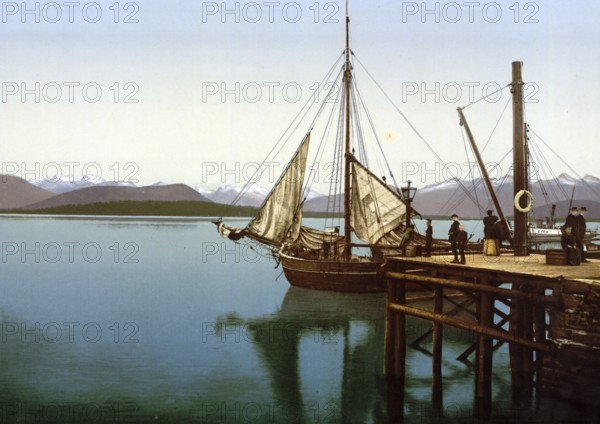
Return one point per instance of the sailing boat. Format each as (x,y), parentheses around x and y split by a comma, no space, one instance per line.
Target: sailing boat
(373,212)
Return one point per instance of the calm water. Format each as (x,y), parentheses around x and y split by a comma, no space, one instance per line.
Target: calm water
(164,321)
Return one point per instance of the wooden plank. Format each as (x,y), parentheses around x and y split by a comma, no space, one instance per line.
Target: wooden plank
(532,297)
(469,326)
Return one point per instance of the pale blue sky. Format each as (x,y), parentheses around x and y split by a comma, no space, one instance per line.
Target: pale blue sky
(178,47)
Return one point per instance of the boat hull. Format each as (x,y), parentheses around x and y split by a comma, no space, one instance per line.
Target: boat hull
(354,277)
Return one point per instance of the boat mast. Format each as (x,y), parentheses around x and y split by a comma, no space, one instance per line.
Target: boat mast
(519,159)
(347,81)
(484,173)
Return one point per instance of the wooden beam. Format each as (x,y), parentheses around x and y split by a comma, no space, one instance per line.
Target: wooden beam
(470,326)
(508,293)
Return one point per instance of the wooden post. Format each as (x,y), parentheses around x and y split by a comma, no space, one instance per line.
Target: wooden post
(519,160)
(400,334)
(540,337)
(437,395)
(527,354)
(515,350)
(483,375)
(390,332)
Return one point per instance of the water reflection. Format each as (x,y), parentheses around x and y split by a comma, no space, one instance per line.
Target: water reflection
(218,339)
(323,353)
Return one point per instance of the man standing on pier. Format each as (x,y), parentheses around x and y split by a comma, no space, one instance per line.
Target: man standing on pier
(452,234)
(573,221)
(428,238)
(581,227)
(461,240)
(489,225)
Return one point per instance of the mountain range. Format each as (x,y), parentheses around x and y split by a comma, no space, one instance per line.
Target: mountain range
(468,199)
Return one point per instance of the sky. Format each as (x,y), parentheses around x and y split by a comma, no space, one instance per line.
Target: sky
(199,92)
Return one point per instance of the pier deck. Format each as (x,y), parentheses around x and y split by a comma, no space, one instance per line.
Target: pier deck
(553,327)
(508,264)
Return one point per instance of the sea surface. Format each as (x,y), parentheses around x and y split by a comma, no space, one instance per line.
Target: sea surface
(161,320)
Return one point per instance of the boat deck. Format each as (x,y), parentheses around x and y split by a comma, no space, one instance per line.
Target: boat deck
(522,266)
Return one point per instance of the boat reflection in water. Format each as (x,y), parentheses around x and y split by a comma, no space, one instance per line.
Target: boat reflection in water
(323,355)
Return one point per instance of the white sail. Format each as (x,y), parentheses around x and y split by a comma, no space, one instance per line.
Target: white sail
(279,217)
(376,209)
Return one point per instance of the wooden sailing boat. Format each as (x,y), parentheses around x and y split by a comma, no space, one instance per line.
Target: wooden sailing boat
(373,213)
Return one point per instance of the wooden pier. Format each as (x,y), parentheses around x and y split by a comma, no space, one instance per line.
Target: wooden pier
(553,324)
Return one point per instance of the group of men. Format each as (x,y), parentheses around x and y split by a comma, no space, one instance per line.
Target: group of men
(457,236)
(573,234)
(571,240)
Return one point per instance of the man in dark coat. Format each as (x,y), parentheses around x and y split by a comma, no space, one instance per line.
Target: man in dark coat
(488,225)
(568,241)
(581,227)
(428,238)
(461,240)
(452,233)
(573,221)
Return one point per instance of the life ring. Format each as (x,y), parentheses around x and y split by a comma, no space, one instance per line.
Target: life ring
(529,201)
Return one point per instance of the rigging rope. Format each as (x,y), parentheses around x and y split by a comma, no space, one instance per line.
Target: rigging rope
(252,180)
(590,187)
(488,95)
(413,128)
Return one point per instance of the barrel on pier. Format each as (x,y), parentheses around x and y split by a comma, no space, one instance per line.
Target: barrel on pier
(491,247)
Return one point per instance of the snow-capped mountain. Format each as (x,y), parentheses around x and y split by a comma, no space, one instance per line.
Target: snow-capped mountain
(253,196)
(65,183)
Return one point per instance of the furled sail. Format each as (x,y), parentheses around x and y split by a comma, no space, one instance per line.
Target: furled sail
(280,215)
(376,209)
(313,239)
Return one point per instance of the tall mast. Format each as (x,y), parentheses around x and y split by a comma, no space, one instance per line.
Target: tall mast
(519,159)
(484,173)
(347,81)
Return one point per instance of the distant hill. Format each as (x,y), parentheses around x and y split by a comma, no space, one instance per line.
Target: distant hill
(468,199)
(17,193)
(464,197)
(153,208)
(254,196)
(319,204)
(105,194)
(62,184)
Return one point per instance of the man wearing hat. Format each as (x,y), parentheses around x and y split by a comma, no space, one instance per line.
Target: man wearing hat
(428,238)
(581,231)
(568,240)
(573,222)
(489,223)
(452,234)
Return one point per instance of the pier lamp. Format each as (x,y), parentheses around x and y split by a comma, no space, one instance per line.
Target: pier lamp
(408,193)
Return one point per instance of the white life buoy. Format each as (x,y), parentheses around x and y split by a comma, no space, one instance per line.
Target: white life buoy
(529,201)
